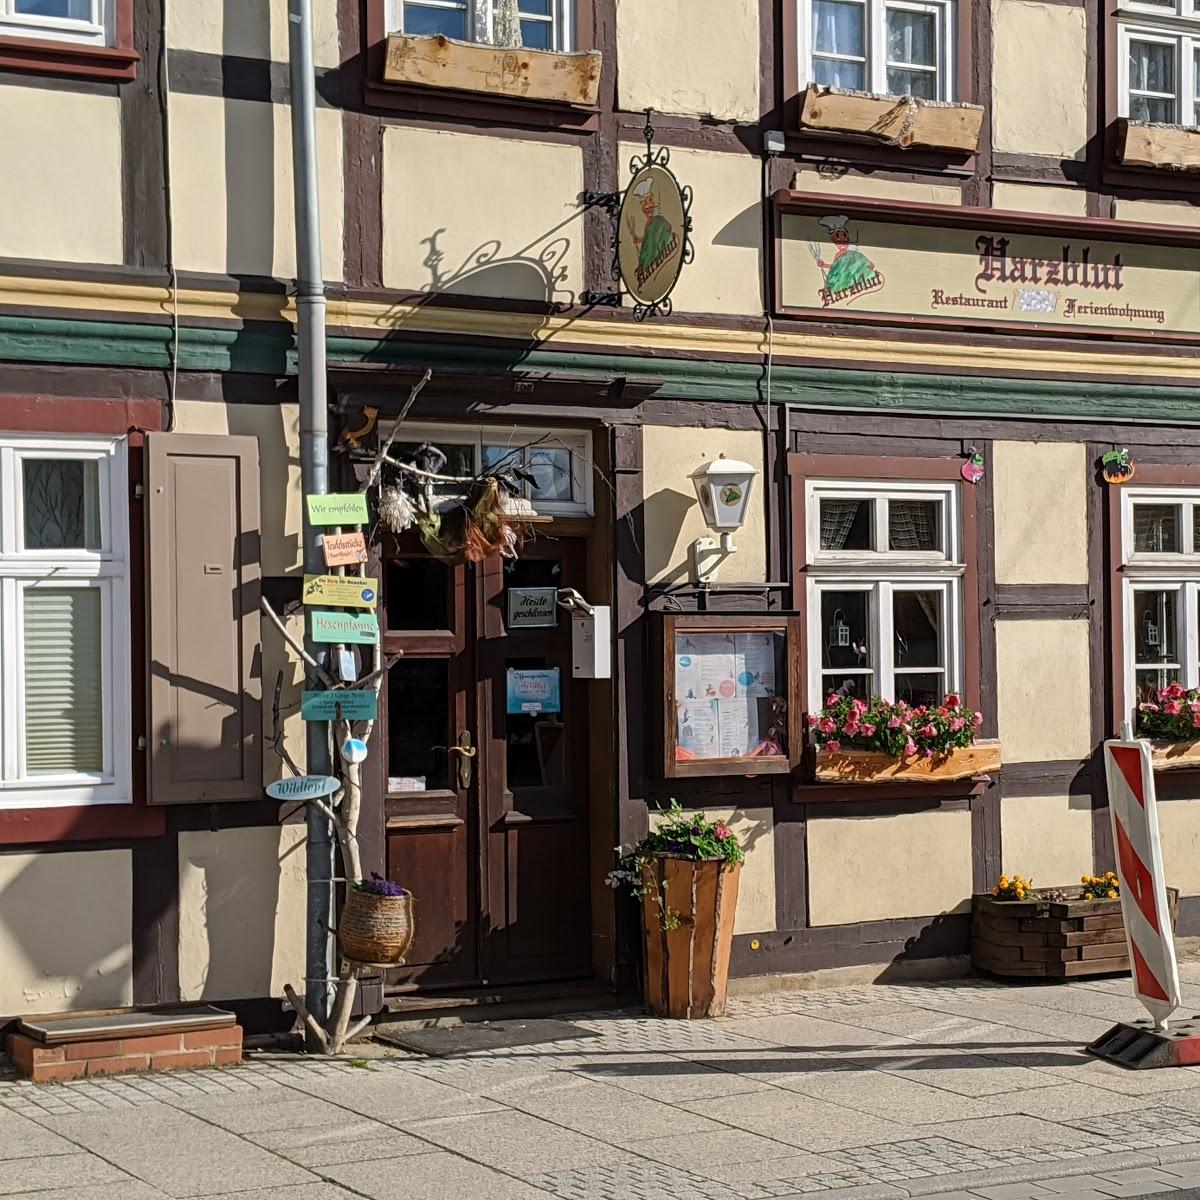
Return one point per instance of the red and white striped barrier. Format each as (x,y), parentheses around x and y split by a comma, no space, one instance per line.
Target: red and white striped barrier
(1131,804)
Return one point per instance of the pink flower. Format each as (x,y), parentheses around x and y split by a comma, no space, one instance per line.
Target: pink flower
(1175,690)
(1196,720)
(952,700)
(893,722)
(1148,707)
(977,720)
(1172,708)
(834,746)
(831,699)
(956,724)
(1194,706)
(827,725)
(910,747)
(868,730)
(943,711)
(857,706)
(812,719)
(722,832)
(928,731)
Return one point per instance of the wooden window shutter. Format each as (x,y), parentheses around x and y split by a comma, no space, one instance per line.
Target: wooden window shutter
(203,583)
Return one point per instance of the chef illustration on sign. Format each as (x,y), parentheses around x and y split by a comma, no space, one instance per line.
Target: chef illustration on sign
(851,272)
(658,239)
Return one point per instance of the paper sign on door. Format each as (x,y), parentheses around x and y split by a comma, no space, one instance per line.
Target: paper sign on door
(534,691)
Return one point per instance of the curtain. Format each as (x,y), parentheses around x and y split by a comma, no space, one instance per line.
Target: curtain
(837,519)
(506,24)
(912,525)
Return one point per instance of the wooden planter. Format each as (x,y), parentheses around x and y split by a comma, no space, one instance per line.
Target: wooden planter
(865,766)
(376,929)
(892,120)
(687,967)
(1174,756)
(1051,939)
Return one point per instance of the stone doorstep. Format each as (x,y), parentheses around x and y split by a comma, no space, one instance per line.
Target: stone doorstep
(176,1051)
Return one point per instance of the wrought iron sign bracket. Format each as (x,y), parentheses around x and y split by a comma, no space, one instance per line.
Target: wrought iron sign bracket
(611,201)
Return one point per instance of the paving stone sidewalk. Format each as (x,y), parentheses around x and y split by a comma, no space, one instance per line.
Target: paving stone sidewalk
(965,1088)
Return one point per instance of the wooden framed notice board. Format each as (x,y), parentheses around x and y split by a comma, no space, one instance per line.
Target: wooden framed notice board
(731,688)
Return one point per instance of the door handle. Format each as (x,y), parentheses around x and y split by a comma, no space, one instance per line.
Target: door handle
(466,752)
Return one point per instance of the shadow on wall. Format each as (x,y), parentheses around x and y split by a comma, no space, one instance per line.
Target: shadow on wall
(667,509)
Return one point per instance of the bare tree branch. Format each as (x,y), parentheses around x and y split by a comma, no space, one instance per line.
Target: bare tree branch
(381,457)
(286,634)
(298,1005)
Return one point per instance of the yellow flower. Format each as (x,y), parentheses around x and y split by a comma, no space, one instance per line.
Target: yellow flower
(1085,879)
(1004,881)
(995,891)
(1112,895)
(1088,896)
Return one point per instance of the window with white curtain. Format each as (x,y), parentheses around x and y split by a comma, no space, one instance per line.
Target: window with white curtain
(58,20)
(64,622)
(1160,581)
(533,24)
(889,47)
(884,575)
(1158,55)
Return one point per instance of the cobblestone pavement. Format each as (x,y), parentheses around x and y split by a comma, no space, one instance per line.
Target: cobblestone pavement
(966,1088)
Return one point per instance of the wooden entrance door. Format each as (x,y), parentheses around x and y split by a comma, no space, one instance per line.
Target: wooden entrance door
(486,810)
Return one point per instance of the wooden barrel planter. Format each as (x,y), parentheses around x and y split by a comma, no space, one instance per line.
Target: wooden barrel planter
(689,937)
(376,929)
(1049,939)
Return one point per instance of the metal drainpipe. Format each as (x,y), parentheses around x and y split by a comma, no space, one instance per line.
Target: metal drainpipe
(314,478)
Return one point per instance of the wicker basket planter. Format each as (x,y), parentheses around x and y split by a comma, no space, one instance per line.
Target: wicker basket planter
(865,766)
(1049,939)
(376,929)
(687,966)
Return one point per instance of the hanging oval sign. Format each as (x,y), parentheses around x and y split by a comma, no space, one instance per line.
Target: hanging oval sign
(303,787)
(651,234)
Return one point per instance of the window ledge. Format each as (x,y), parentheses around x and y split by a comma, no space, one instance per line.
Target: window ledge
(514,74)
(904,122)
(75,59)
(1159,147)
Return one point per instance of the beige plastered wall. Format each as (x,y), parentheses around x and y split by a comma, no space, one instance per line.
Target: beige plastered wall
(1040,498)
(672,516)
(232,202)
(241,912)
(451,199)
(1038,663)
(1157,212)
(850,185)
(1033,198)
(250,29)
(1046,838)
(1179,832)
(727,232)
(1039,78)
(66,931)
(276,426)
(60,190)
(696,58)
(867,868)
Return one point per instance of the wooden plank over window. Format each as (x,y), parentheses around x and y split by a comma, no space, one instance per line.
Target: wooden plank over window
(204,583)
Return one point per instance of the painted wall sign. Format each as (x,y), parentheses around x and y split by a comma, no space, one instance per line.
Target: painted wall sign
(534,691)
(344,549)
(532,608)
(351,628)
(338,508)
(347,704)
(651,234)
(864,261)
(346,591)
(303,787)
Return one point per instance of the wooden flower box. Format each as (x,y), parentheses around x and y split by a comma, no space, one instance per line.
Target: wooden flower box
(1048,939)
(1174,756)
(1146,144)
(866,766)
(893,120)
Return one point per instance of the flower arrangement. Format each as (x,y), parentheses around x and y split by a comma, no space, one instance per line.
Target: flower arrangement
(1101,887)
(1173,715)
(678,834)
(377,886)
(897,729)
(1016,888)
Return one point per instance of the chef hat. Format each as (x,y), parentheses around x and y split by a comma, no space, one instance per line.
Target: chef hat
(834,224)
(643,188)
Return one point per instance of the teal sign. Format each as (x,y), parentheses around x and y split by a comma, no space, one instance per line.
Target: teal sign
(345,704)
(303,787)
(347,628)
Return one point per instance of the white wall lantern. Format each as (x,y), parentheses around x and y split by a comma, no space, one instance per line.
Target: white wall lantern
(723,489)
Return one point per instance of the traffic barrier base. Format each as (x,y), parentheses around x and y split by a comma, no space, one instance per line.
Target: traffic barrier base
(1139,1046)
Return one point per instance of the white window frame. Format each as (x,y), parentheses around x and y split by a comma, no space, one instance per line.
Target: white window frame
(577,441)
(98,31)
(1178,27)
(1152,572)
(875,43)
(479,19)
(881,573)
(107,570)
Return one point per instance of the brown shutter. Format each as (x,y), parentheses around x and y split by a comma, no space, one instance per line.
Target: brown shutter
(203,582)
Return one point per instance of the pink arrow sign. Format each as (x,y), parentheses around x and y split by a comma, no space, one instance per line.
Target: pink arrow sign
(1132,806)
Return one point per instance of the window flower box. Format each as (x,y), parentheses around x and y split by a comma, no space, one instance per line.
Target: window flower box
(1051,939)
(903,121)
(1175,756)
(866,766)
(1150,144)
(1170,721)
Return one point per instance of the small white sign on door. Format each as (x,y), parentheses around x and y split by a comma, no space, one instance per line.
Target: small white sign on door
(532,608)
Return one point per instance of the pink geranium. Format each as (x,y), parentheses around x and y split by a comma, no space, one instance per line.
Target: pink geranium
(952,700)
(1172,708)
(834,746)
(910,747)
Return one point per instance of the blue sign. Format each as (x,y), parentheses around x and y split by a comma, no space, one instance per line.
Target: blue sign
(303,787)
(534,691)
(345,704)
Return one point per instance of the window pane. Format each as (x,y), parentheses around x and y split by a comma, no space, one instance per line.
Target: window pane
(914,525)
(831,73)
(503,456)
(70,10)
(844,619)
(838,28)
(539,7)
(1147,108)
(1151,67)
(451,22)
(537,35)
(926,688)
(417,594)
(419,725)
(912,37)
(1196,528)
(1150,683)
(1154,624)
(1156,528)
(846,524)
(535,743)
(912,83)
(862,686)
(62,504)
(428,456)
(550,467)
(64,683)
(917,625)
